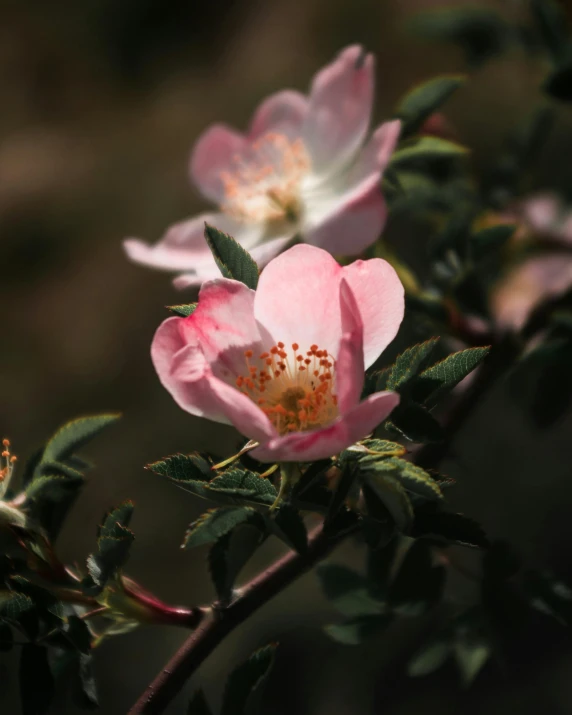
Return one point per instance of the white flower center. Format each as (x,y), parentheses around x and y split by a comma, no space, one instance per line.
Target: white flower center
(265,186)
(294,389)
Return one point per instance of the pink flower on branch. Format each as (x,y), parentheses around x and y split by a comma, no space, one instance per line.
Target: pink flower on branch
(304,168)
(541,277)
(285,363)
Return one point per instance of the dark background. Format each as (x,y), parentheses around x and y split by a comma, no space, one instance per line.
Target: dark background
(101,103)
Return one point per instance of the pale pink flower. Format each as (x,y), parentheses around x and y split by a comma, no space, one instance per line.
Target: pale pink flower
(304,168)
(285,363)
(541,277)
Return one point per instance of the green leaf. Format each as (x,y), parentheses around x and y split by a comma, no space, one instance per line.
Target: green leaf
(491,239)
(249,485)
(357,630)
(231,258)
(409,363)
(289,526)
(413,478)
(549,595)
(426,149)
(387,489)
(183,467)
(471,655)
(415,423)
(347,591)
(214,524)
(113,543)
(36,680)
(86,695)
(198,705)
(430,657)
(439,378)
(232,551)
(74,435)
(418,584)
(183,310)
(244,682)
(424,99)
(52,488)
(383,447)
(190,472)
(454,528)
(14,604)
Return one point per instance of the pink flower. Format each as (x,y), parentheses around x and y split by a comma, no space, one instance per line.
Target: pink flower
(285,364)
(540,277)
(301,169)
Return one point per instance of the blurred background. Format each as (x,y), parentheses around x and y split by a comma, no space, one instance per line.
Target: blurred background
(101,103)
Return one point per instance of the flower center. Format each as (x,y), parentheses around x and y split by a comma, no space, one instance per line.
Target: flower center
(295,389)
(265,186)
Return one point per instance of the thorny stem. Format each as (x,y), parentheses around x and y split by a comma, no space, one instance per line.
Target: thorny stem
(218,623)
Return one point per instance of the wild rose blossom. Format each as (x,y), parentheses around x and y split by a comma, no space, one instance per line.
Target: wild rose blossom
(541,277)
(285,363)
(301,169)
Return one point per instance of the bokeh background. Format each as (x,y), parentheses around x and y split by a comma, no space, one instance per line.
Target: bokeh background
(101,103)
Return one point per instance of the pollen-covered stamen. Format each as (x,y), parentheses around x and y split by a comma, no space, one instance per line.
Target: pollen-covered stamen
(7,462)
(266,185)
(294,388)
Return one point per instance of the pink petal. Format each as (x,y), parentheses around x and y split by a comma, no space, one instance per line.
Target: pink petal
(528,285)
(183,246)
(541,212)
(349,365)
(297,300)
(214,153)
(347,429)
(223,326)
(339,109)
(219,331)
(284,111)
(381,300)
(351,223)
(376,154)
(201,393)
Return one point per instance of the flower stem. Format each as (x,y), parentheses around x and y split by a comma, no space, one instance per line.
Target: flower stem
(215,626)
